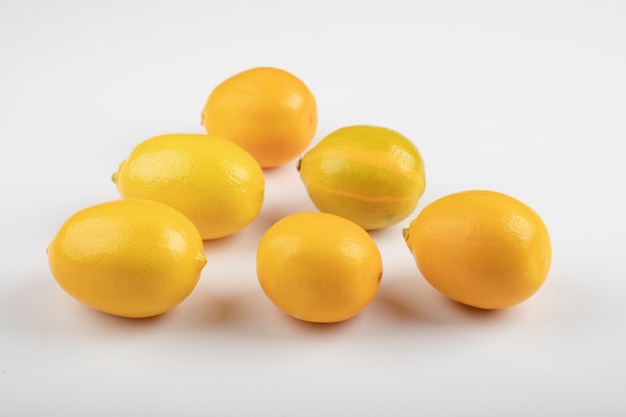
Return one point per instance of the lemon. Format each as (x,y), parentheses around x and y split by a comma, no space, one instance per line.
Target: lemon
(211,180)
(371,175)
(481,248)
(129,258)
(267,111)
(318,267)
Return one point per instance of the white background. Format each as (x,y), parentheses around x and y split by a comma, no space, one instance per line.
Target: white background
(527,98)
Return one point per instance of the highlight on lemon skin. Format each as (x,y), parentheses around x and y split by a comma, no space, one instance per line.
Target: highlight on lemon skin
(130,258)
(481,248)
(371,175)
(268,111)
(211,180)
(318,267)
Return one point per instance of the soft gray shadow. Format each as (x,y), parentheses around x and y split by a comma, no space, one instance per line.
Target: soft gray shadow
(222,242)
(391,232)
(247,314)
(410,300)
(40,308)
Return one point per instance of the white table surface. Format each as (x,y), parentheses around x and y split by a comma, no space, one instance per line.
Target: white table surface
(526,98)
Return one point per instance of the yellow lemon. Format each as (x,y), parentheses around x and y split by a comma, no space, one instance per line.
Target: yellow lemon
(129,258)
(211,180)
(318,267)
(481,248)
(371,175)
(268,111)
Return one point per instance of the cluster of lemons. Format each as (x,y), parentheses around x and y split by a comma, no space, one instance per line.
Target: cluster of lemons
(143,254)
